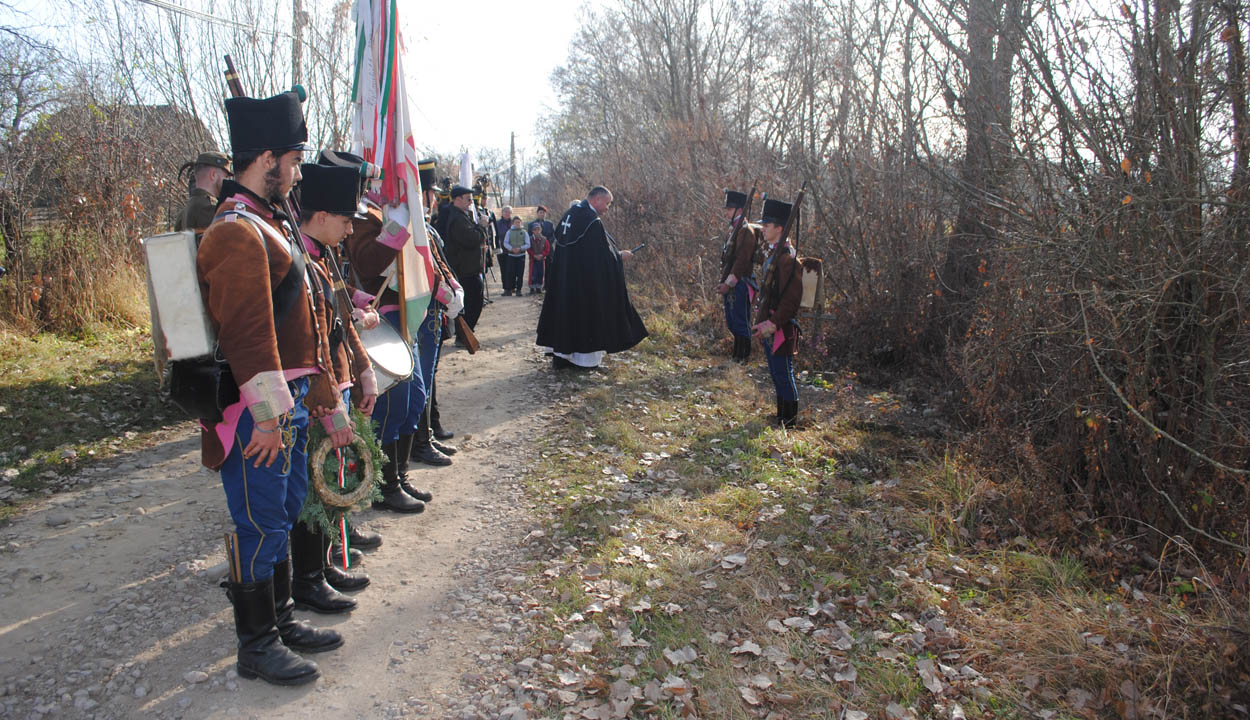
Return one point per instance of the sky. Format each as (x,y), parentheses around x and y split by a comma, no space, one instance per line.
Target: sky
(503,51)
(507,50)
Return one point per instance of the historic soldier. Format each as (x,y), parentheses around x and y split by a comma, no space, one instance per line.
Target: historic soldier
(781,292)
(373,247)
(208,170)
(329,199)
(737,272)
(263,304)
(426,446)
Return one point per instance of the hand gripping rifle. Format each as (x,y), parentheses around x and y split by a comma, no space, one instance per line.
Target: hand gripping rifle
(339,288)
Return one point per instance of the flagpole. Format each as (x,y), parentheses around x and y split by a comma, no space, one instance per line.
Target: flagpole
(403,299)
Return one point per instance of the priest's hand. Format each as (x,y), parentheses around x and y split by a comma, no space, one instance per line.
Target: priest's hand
(764,329)
(722,288)
(265,444)
(626,254)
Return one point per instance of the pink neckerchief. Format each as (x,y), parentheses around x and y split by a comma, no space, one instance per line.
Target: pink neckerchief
(265,211)
(311,245)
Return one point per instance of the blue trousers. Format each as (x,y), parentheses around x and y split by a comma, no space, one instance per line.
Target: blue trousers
(429,338)
(396,413)
(738,309)
(781,368)
(536,273)
(264,501)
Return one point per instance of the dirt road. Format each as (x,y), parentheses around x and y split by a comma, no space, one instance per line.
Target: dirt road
(109,597)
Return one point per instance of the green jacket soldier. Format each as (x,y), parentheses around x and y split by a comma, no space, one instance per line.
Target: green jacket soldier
(208,170)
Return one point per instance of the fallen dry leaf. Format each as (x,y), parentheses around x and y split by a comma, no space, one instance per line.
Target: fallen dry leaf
(682,656)
(929,675)
(675,685)
(737,560)
(800,623)
(749,696)
(847,674)
(747,648)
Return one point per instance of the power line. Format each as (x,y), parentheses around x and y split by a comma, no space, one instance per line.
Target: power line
(178,9)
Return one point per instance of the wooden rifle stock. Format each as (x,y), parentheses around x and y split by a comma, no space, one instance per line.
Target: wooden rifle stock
(470,340)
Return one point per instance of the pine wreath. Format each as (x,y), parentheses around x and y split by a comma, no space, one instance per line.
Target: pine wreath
(326,501)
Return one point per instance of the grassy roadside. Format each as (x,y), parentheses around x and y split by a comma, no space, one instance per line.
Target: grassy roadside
(703,563)
(66,402)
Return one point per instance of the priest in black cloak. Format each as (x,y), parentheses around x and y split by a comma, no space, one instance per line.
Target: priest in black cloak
(586,309)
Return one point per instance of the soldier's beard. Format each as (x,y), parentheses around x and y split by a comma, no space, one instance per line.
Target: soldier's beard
(273,184)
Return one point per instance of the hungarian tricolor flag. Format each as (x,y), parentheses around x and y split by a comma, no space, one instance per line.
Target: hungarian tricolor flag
(383,135)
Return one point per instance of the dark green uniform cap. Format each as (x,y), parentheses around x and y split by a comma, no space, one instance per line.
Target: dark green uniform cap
(214,159)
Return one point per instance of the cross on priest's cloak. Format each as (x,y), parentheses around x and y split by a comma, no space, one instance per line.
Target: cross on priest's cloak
(566,225)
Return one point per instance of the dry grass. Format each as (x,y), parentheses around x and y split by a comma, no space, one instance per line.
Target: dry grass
(865,521)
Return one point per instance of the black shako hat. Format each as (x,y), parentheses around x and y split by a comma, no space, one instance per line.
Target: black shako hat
(458,190)
(341,158)
(425,171)
(330,188)
(275,123)
(776,212)
(735,199)
(365,170)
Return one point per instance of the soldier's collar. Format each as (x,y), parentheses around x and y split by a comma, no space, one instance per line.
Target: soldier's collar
(232,190)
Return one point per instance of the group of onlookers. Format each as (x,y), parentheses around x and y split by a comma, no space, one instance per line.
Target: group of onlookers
(514,241)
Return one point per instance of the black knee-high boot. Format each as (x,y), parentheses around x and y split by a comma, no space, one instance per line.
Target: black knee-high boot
(423,449)
(787,415)
(393,496)
(309,588)
(338,578)
(436,424)
(261,652)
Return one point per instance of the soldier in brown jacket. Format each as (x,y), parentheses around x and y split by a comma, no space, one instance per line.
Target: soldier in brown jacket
(329,199)
(262,302)
(737,272)
(781,292)
(375,243)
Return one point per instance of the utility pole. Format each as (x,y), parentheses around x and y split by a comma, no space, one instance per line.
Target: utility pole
(297,38)
(512,171)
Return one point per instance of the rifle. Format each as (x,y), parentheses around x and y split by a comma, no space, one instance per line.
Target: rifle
(746,210)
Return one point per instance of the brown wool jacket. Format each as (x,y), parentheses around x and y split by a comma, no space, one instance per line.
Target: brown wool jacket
(738,255)
(347,367)
(238,269)
(782,294)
